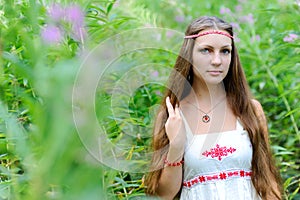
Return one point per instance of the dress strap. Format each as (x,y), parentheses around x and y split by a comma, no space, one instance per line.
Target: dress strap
(189,133)
(239,125)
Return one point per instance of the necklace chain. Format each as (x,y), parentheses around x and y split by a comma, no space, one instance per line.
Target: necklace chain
(206,117)
(211,108)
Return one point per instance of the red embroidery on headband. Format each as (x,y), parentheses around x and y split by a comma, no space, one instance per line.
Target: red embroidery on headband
(207,33)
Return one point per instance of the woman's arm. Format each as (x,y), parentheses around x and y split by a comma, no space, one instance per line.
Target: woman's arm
(262,119)
(171,177)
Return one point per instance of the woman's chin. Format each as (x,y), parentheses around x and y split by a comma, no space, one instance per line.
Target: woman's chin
(214,81)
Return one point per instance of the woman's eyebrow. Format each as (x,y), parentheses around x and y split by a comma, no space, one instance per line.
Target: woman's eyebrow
(209,46)
(226,46)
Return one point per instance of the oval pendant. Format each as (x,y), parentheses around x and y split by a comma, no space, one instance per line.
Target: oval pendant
(205,118)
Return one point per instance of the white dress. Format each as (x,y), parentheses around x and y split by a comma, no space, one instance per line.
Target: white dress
(217,166)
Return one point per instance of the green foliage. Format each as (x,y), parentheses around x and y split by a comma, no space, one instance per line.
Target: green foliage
(42,155)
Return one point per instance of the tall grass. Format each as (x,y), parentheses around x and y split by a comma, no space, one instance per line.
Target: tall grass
(48,153)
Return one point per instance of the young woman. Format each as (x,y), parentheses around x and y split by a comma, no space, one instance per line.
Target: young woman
(210,138)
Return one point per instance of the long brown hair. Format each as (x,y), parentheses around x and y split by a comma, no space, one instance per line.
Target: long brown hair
(240,101)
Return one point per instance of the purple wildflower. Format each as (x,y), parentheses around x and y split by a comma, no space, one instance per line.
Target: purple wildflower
(248,19)
(235,25)
(51,34)
(154,74)
(236,38)
(157,92)
(238,8)
(169,34)
(117,3)
(56,12)
(290,37)
(179,18)
(71,14)
(225,10)
(74,15)
(255,38)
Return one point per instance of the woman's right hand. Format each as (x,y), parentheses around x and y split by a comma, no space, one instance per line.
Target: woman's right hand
(174,126)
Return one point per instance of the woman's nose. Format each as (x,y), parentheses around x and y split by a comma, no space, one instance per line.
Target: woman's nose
(216,59)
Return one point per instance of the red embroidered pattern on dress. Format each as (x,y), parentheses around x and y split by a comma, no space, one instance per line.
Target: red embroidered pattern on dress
(220,176)
(219,152)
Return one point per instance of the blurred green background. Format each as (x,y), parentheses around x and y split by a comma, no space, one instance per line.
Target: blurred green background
(44,43)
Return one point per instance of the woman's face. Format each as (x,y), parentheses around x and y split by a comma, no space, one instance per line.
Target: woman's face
(212,57)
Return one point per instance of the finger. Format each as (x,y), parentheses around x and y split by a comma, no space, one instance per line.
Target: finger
(176,111)
(169,106)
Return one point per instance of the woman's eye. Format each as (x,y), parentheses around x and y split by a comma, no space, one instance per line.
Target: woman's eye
(226,51)
(204,51)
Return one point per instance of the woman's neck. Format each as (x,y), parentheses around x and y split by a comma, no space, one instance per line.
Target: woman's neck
(208,92)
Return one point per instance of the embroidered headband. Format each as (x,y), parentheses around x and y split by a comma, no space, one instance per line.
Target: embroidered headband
(207,33)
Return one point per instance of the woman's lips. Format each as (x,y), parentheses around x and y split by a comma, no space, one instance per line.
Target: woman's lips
(215,72)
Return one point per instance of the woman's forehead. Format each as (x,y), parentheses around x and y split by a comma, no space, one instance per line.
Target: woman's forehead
(214,40)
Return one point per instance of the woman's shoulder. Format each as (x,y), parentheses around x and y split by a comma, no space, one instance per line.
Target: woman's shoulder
(255,102)
(257,105)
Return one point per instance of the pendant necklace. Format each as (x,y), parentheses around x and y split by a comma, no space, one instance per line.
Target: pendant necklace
(206,117)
